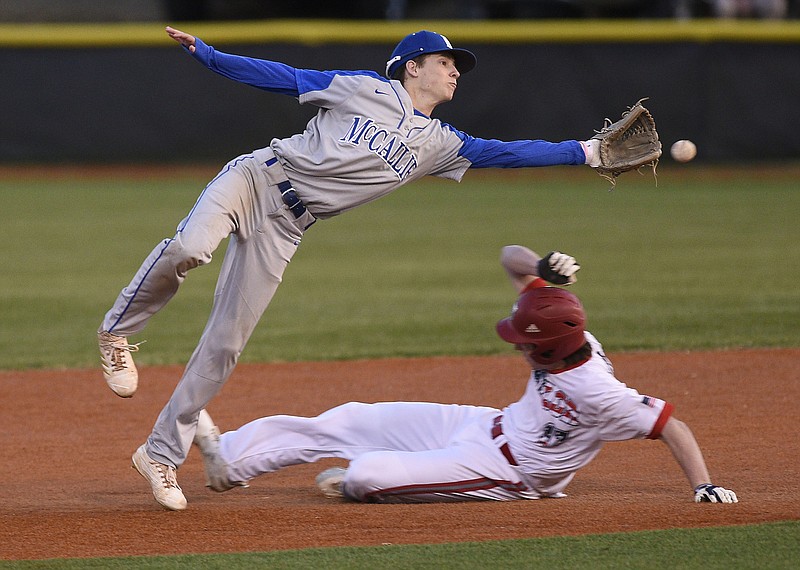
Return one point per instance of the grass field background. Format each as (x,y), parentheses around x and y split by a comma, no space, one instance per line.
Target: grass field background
(707,259)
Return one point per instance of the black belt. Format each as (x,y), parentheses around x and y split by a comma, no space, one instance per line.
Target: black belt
(289,194)
(291,199)
(497,431)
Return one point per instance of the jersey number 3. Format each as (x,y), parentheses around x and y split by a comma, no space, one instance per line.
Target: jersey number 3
(552,436)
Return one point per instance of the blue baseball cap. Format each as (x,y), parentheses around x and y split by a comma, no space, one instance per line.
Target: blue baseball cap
(422,42)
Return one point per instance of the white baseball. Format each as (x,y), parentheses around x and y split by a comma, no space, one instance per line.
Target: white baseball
(683,150)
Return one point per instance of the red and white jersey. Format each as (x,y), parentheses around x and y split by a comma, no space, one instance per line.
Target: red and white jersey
(565,416)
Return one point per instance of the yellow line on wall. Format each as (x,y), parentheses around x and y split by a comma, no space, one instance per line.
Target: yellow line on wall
(320,32)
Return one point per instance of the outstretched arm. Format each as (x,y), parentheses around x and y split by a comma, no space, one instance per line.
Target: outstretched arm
(272,76)
(681,442)
(683,445)
(492,153)
(524,265)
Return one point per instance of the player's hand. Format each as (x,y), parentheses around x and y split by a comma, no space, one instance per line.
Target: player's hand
(182,38)
(708,493)
(558,268)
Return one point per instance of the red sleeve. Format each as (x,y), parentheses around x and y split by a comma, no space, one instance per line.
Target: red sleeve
(661,421)
(535,284)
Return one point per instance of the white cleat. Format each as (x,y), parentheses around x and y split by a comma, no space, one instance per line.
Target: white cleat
(118,367)
(206,438)
(330,482)
(162,479)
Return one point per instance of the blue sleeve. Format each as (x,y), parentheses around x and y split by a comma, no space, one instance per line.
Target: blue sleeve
(271,76)
(491,153)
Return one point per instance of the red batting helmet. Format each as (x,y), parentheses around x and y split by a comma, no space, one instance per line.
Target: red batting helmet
(551,319)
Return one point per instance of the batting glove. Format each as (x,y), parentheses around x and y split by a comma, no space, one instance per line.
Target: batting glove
(558,268)
(708,493)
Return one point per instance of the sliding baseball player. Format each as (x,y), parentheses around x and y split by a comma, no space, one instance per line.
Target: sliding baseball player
(425,452)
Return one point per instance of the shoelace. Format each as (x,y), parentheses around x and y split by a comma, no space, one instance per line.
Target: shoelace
(119,359)
(167,474)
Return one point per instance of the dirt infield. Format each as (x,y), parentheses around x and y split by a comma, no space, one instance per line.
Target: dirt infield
(68,490)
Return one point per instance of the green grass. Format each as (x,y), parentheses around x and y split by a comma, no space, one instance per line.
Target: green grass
(704,260)
(772,546)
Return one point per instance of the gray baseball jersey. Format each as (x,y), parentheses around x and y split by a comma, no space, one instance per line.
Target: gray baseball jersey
(367,139)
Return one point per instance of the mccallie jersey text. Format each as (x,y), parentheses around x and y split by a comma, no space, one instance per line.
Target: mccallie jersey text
(387,146)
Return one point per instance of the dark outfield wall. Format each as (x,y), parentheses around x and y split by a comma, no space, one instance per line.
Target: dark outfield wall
(736,100)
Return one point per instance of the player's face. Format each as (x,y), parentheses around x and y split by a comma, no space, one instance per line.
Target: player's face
(438,76)
(527,351)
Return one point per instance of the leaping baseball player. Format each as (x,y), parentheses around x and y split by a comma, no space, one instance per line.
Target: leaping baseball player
(402,452)
(371,135)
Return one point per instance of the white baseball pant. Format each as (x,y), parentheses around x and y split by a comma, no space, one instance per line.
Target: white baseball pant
(398,451)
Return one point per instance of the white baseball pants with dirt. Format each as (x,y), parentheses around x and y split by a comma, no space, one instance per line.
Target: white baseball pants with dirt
(242,202)
(398,451)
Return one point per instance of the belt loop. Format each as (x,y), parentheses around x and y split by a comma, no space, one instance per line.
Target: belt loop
(497,431)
